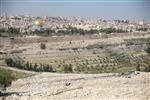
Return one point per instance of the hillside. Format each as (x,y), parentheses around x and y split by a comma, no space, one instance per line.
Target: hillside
(49,86)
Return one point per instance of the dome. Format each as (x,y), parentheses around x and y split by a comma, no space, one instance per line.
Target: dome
(38,22)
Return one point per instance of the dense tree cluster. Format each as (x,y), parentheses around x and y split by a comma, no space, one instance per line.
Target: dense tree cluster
(13,30)
(10,32)
(28,66)
(5,77)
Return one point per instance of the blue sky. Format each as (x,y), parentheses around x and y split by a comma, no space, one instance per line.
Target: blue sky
(105,9)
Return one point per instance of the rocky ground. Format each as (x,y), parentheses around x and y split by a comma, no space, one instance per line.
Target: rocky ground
(50,86)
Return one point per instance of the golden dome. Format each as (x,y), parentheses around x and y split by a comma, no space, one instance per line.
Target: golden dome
(38,22)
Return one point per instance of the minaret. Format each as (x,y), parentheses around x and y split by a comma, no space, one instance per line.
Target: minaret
(5,14)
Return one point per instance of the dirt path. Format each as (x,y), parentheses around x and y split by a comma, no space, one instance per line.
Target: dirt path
(18,70)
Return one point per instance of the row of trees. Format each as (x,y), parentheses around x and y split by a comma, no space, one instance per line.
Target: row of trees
(36,67)
(112,30)
(75,31)
(68,68)
(142,29)
(28,66)
(68,31)
(114,59)
(139,41)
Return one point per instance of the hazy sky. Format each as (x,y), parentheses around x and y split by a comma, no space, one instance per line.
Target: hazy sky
(106,9)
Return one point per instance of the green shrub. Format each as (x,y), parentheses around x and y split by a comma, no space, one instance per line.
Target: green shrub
(68,68)
(147,69)
(138,67)
(148,50)
(42,46)
(6,76)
